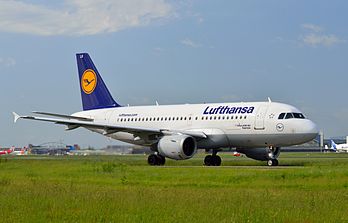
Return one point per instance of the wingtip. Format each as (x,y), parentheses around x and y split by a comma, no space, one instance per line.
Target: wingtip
(16,116)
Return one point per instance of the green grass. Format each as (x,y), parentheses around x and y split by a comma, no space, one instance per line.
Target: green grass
(309,187)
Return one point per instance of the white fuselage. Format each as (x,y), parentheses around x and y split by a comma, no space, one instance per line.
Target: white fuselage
(342,148)
(241,125)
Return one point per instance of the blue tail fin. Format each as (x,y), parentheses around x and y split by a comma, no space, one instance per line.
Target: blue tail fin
(333,145)
(94,93)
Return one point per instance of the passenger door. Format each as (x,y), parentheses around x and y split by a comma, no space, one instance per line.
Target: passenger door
(260,117)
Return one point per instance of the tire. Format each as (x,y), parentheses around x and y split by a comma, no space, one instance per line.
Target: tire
(273,162)
(208,160)
(161,160)
(216,160)
(152,160)
(270,162)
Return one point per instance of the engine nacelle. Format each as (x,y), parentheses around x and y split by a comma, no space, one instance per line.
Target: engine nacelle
(178,147)
(262,154)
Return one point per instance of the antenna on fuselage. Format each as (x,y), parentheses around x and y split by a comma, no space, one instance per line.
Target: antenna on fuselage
(269,100)
(157,103)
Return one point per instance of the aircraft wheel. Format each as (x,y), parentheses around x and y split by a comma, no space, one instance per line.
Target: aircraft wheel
(208,160)
(216,160)
(152,160)
(161,160)
(273,162)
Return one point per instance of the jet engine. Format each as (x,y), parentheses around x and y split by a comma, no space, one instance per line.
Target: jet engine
(178,147)
(262,154)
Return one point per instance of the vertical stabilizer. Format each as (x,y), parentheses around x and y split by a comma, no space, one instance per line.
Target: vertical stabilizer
(94,93)
(333,145)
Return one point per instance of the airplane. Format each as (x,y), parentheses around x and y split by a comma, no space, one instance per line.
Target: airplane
(339,148)
(256,129)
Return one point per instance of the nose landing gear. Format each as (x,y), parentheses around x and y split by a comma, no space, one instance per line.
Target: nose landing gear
(273,153)
(272,162)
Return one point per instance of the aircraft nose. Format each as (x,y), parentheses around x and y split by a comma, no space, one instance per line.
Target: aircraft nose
(311,129)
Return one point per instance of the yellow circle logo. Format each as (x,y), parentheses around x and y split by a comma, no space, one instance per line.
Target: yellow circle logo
(89,81)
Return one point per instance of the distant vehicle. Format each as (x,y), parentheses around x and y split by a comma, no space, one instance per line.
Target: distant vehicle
(6,151)
(256,129)
(237,154)
(339,148)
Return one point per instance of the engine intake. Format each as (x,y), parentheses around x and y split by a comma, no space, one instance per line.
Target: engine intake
(178,147)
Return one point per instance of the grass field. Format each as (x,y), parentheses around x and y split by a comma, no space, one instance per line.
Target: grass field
(306,187)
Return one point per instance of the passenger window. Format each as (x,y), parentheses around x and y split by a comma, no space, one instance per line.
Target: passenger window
(289,116)
(281,116)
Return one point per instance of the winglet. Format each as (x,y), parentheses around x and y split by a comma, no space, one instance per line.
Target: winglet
(16,116)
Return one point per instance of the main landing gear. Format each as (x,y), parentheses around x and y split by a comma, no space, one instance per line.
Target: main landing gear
(156,160)
(212,160)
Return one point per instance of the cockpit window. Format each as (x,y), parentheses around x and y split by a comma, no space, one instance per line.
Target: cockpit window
(281,116)
(299,115)
(291,115)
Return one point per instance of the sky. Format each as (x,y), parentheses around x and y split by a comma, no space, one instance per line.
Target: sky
(173,52)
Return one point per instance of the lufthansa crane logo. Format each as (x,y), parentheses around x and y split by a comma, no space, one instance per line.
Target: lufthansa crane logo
(89,81)
(280,127)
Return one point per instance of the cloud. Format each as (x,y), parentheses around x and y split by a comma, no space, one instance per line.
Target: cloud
(324,40)
(190,43)
(7,62)
(312,27)
(315,36)
(80,17)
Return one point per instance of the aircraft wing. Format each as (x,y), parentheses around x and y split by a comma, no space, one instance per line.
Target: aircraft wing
(73,122)
(63,116)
